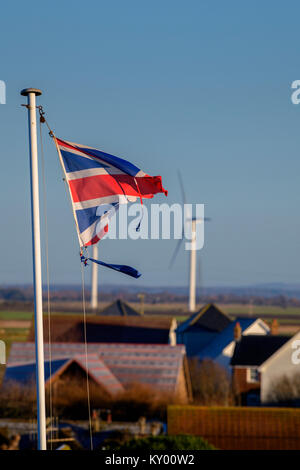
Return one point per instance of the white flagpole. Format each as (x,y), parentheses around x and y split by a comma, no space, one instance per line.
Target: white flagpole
(31,93)
(94,290)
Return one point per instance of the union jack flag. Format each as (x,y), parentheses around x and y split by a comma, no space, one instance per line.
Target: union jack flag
(98,183)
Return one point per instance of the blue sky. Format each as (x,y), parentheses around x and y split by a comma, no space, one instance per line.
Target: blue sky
(203,86)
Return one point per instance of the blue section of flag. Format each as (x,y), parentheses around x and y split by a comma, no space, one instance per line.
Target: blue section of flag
(112,160)
(122,268)
(75,162)
(86,217)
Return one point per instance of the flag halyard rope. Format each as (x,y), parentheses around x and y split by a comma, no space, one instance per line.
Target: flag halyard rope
(48,282)
(51,133)
(86,356)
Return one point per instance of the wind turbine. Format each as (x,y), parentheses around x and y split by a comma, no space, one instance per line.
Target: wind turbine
(193,221)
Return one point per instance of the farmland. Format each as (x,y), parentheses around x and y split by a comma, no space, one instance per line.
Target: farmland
(15,324)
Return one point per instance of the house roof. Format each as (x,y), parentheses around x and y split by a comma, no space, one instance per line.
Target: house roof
(208,317)
(120,308)
(25,373)
(225,337)
(98,371)
(253,350)
(156,365)
(107,329)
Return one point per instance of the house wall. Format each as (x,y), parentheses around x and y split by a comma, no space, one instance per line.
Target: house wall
(240,384)
(224,361)
(280,365)
(257,328)
(75,377)
(182,386)
(172,334)
(195,340)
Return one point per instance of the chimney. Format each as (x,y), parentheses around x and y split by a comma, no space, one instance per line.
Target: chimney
(274,327)
(237,332)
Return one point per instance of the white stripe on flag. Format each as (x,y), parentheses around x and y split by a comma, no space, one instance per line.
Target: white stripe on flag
(121,199)
(74,175)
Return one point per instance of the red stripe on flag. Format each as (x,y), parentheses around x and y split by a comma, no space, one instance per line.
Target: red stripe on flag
(98,237)
(93,187)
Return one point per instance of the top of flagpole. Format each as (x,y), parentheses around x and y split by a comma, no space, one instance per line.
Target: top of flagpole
(26,91)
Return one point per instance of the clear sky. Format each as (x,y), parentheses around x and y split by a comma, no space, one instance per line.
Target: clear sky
(203,86)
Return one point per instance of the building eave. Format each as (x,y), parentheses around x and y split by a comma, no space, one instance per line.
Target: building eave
(267,362)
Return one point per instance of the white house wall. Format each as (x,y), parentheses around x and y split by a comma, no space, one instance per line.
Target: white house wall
(279,365)
(172,334)
(257,328)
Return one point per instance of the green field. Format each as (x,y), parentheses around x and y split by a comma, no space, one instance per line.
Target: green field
(9,335)
(12,315)
(259,310)
(175,309)
(16,334)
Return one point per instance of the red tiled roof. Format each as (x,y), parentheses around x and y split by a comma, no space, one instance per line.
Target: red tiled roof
(156,365)
(22,372)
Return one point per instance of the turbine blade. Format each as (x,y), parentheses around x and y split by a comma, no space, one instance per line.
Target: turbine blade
(181,187)
(187,210)
(175,252)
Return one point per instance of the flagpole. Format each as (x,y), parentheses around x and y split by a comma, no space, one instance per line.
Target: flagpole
(94,290)
(31,94)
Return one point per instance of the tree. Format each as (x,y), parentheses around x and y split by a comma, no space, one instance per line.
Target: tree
(210,382)
(285,389)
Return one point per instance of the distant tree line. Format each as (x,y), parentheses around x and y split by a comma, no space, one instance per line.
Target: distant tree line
(25,294)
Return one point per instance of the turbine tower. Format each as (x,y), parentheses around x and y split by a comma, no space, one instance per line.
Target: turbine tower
(193,252)
(192,292)
(94,287)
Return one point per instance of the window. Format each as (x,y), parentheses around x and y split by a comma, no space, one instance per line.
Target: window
(252,375)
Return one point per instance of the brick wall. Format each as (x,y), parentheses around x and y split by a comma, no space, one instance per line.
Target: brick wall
(239,380)
(238,428)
